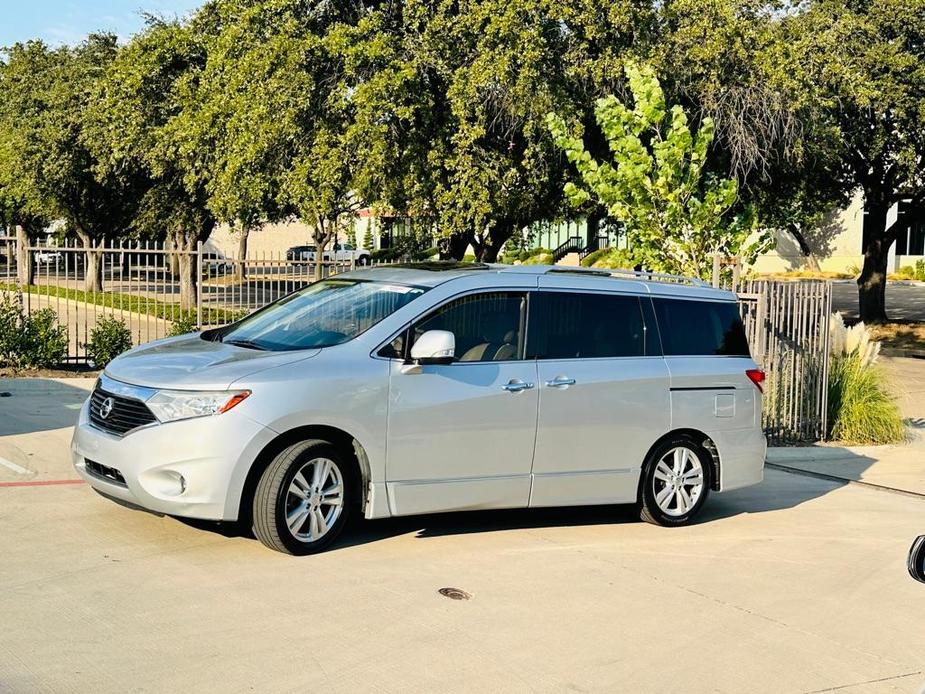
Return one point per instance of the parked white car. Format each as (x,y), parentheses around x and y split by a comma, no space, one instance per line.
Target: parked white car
(435,387)
(49,257)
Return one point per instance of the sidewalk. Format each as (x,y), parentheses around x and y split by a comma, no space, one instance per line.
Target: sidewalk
(900,468)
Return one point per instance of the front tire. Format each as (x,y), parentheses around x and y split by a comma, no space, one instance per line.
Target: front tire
(304,498)
(676,482)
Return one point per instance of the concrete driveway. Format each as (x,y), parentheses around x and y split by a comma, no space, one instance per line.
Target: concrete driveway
(796,585)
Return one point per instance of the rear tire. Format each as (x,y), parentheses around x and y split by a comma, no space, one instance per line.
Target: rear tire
(676,482)
(304,498)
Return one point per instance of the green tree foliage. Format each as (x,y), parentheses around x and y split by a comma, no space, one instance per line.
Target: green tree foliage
(676,215)
(47,166)
(862,66)
(450,100)
(138,128)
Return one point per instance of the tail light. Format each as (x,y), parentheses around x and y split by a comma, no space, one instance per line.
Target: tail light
(756,376)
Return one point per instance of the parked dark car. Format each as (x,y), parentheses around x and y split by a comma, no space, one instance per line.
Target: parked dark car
(917,559)
(299,253)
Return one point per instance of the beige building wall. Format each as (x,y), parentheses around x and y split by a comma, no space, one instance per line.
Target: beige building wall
(272,240)
(836,244)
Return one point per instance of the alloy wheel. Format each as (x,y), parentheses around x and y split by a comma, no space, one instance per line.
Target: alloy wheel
(314,500)
(678,481)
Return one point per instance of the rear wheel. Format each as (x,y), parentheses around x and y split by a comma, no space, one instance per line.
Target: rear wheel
(303,498)
(676,482)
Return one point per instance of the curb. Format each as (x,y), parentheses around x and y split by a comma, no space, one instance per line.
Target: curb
(904,353)
(843,480)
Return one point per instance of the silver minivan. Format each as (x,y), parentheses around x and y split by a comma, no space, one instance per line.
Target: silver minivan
(432,387)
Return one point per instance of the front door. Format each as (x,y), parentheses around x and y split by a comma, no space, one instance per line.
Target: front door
(604,396)
(460,436)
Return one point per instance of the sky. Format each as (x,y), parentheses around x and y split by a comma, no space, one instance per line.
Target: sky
(68,21)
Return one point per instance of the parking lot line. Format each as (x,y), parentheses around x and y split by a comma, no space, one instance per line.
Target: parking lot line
(14,467)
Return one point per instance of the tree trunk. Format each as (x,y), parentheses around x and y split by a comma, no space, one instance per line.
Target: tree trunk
(173,259)
(189,280)
(454,247)
(93,266)
(322,237)
(498,235)
(872,282)
(805,249)
(240,267)
(25,267)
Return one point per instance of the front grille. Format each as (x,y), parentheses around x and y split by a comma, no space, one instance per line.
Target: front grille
(105,473)
(126,413)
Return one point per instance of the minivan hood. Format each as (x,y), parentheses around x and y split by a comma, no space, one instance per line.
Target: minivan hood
(190,363)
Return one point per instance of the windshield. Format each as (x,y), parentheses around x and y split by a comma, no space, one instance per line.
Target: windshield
(323,314)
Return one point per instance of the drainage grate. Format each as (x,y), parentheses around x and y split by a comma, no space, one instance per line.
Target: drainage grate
(454,593)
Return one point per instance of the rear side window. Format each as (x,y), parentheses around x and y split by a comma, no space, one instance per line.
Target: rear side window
(572,325)
(695,328)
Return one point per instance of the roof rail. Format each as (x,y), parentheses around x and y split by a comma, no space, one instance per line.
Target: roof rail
(637,274)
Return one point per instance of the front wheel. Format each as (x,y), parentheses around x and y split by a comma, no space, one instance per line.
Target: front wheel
(303,498)
(676,482)
(363,260)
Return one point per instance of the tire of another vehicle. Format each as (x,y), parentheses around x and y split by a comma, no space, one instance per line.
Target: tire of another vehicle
(650,510)
(363,260)
(273,496)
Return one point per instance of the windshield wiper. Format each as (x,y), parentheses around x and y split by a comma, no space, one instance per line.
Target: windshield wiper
(249,344)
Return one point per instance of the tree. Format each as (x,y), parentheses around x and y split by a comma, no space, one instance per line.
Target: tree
(676,217)
(450,100)
(863,65)
(44,156)
(138,131)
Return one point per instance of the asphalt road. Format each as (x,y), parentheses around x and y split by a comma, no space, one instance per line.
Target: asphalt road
(904,302)
(795,585)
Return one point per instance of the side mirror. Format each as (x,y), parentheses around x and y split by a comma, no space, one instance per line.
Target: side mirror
(434,347)
(917,559)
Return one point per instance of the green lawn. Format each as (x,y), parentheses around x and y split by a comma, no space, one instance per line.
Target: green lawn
(129,302)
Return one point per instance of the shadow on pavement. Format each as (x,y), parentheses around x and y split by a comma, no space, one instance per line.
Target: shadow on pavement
(28,405)
(779,491)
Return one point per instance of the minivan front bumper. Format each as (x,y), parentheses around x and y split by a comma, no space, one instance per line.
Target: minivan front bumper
(194,468)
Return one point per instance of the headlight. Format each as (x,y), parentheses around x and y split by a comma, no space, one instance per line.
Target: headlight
(171,405)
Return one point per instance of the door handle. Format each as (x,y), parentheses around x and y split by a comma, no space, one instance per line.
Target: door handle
(516,386)
(560,382)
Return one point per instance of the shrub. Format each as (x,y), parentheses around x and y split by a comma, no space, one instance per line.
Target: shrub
(528,253)
(10,329)
(468,258)
(44,342)
(594,256)
(183,325)
(920,270)
(425,254)
(906,272)
(617,258)
(861,409)
(393,253)
(539,259)
(108,339)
